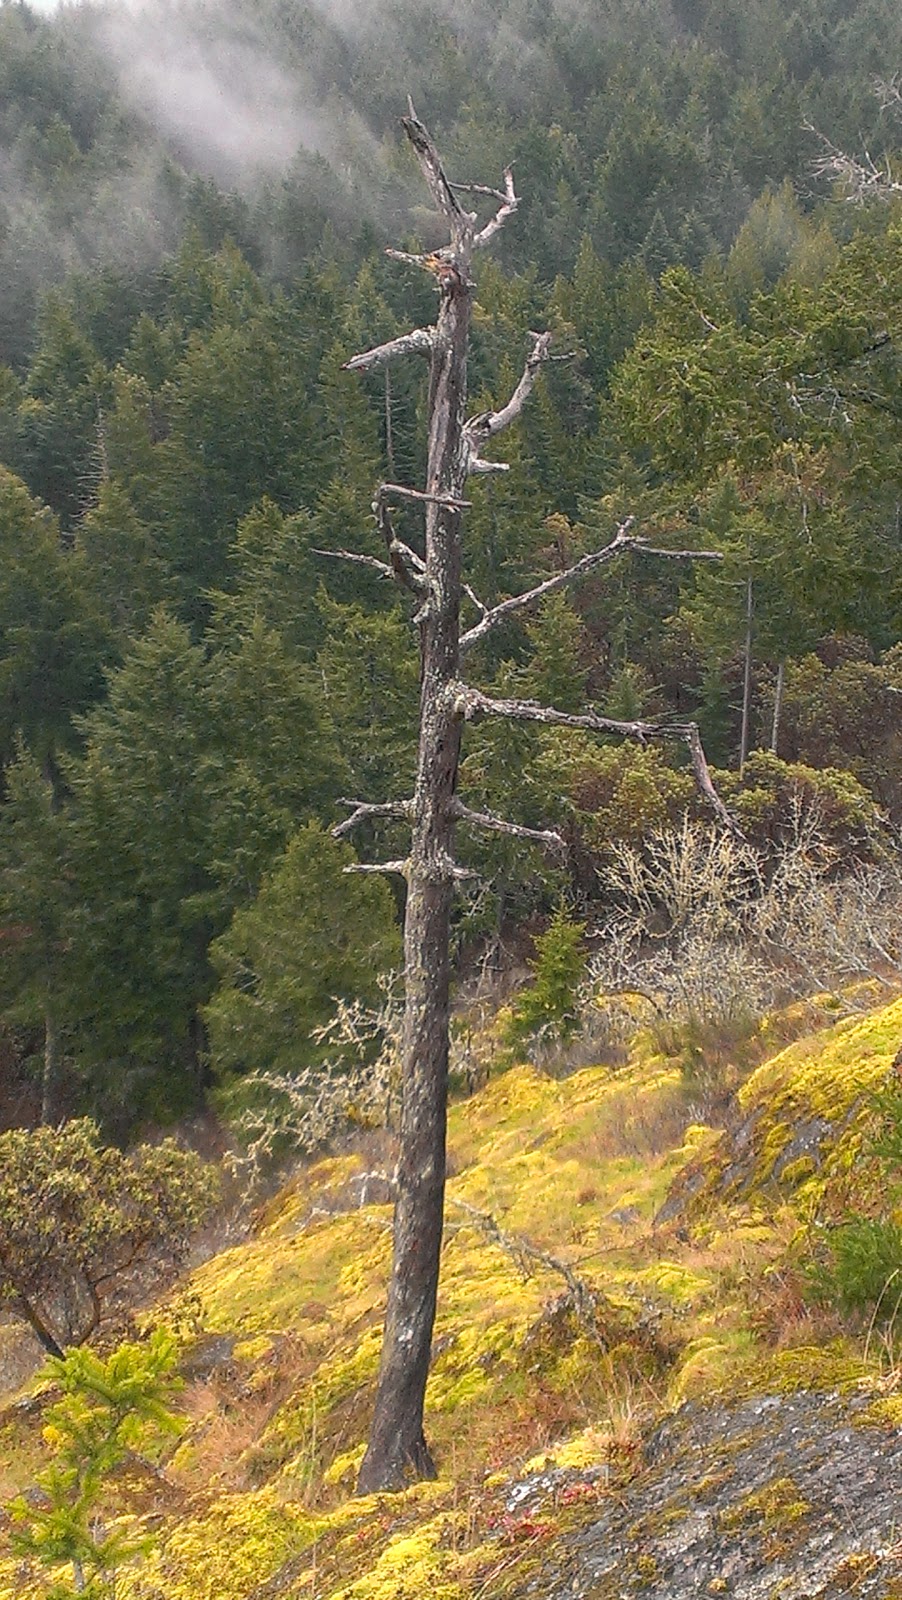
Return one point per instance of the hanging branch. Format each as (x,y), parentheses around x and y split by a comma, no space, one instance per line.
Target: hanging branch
(471,705)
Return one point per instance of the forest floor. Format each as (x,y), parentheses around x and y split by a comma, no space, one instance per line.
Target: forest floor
(636,1387)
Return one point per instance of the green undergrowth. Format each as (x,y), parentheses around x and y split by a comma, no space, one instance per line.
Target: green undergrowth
(685,1240)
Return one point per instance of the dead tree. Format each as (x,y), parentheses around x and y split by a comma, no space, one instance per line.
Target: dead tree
(397,1447)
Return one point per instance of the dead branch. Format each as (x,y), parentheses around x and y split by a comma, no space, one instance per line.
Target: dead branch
(472,705)
(361,809)
(580,569)
(509,204)
(494,824)
(458,221)
(861,179)
(702,774)
(402,867)
(498,614)
(483,427)
(526,1255)
(382,567)
(420,341)
(398,491)
(406,566)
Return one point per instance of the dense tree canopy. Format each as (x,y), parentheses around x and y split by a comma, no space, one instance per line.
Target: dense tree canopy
(188,684)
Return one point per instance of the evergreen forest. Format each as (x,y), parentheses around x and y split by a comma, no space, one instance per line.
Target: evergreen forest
(195,204)
(343,1256)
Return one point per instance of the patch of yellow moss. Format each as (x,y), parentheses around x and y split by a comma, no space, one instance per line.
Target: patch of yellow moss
(575,1167)
(827,1074)
(885,1412)
(775,1505)
(591,1447)
(233,1545)
(410,1566)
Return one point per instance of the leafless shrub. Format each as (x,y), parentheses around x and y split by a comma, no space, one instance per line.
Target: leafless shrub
(707,931)
(286,1116)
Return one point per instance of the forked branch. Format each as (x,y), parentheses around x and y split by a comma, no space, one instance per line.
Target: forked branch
(401,810)
(509,204)
(483,427)
(622,540)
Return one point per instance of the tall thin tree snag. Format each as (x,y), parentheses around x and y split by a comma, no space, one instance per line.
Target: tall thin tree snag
(397,1449)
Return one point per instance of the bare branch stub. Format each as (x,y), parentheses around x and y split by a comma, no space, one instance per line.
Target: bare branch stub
(487,821)
(401,867)
(419,341)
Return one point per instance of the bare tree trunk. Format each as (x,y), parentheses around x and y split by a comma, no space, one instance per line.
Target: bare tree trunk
(51,1071)
(397,1448)
(747,679)
(778,707)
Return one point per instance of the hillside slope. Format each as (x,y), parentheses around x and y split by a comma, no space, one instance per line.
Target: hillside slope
(631,1390)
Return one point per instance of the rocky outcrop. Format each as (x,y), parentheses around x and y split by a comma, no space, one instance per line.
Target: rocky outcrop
(796,1496)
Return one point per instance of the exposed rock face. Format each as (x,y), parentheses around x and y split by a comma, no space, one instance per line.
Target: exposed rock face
(793,1496)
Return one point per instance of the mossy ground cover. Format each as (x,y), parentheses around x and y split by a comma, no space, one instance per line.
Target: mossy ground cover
(257,1490)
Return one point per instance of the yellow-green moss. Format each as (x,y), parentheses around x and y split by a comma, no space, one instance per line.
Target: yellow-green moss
(240,1540)
(775,1507)
(885,1412)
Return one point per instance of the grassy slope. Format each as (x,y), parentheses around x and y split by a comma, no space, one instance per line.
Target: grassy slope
(281,1333)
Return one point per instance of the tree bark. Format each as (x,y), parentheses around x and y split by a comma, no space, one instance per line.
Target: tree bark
(397,1447)
(51,1071)
(745,734)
